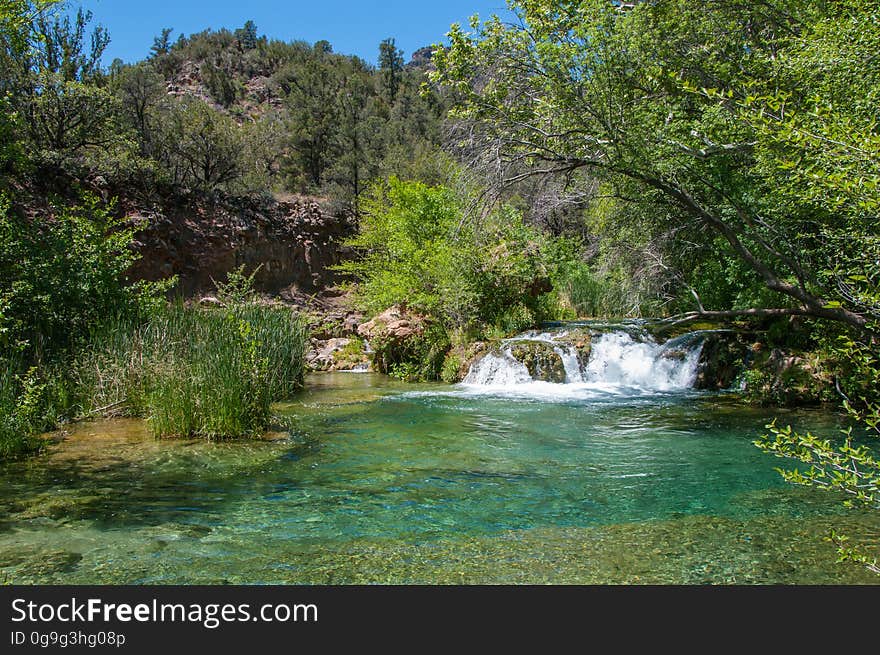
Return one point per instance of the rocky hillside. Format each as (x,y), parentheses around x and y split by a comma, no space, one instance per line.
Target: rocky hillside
(250,79)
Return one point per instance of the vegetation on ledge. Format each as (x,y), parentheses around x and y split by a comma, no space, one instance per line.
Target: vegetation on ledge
(467,277)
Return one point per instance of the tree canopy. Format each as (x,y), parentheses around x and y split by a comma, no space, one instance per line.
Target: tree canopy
(737,123)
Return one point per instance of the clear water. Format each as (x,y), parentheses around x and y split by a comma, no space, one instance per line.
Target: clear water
(383,482)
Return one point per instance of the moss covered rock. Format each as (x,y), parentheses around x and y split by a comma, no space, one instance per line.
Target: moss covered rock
(459,360)
(789,378)
(581,339)
(540,359)
(725,355)
(766,375)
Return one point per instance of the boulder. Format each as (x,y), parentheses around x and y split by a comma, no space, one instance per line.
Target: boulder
(581,339)
(328,324)
(675,354)
(351,323)
(540,359)
(210,301)
(338,354)
(394,323)
(390,334)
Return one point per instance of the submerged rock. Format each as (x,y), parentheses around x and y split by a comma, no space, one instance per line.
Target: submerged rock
(35,564)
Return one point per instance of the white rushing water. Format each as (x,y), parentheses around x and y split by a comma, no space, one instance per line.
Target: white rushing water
(498,370)
(572,364)
(618,359)
(619,364)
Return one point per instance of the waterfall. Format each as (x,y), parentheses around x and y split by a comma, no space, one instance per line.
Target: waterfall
(619,360)
(572,364)
(498,370)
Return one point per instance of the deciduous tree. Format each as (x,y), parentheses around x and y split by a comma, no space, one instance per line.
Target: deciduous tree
(656,102)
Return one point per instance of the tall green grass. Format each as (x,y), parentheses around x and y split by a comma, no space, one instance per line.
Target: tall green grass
(603,294)
(14,436)
(189,371)
(193,371)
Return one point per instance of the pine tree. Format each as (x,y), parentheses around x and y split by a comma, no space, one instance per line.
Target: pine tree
(391,68)
(247,36)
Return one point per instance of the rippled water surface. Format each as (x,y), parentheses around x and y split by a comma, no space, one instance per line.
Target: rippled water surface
(382,482)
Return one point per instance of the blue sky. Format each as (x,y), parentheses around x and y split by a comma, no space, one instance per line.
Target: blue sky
(352,27)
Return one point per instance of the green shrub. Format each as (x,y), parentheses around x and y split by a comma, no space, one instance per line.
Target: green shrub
(16,435)
(405,372)
(352,354)
(62,274)
(416,358)
(419,247)
(515,319)
(451,365)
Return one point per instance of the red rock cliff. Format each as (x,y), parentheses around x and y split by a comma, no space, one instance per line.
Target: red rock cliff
(201,238)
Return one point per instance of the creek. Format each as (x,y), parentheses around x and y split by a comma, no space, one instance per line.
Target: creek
(617,472)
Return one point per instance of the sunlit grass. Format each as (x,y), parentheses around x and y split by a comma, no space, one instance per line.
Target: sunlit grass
(210,373)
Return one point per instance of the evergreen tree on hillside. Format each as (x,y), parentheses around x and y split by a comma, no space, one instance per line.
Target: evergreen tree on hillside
(162,43)
(391,68)
(247,36)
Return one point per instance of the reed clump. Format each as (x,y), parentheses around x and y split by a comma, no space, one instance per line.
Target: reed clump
(196,372)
